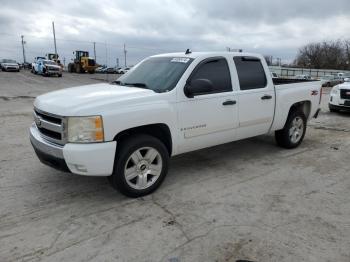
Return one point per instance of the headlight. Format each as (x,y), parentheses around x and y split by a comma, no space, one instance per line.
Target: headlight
(87,129)
(334,90)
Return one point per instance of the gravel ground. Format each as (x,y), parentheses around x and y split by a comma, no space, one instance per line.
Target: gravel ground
(243,200)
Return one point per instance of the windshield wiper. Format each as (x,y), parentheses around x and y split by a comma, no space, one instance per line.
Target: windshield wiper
(141,85)
(117,82)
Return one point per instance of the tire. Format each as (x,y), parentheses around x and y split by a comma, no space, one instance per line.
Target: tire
(293,132)
(78,69)
(59,75)
(143,180)
(70,68)
(332,109)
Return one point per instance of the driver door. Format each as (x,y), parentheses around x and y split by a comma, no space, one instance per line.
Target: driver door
(209,118)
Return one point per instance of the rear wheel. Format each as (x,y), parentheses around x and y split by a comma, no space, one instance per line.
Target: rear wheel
(140,166)
(294,130)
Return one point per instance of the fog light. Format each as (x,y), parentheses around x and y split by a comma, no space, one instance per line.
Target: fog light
(80,168)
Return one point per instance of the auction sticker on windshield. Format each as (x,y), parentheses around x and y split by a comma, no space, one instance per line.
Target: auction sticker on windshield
(180,60)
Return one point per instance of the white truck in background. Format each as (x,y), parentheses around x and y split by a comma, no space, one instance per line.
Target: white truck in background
(339,99)
(168,105)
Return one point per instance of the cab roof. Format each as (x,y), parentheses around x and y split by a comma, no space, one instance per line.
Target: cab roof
(195,55)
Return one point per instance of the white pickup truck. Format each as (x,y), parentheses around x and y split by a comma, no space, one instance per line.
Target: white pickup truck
(168,105)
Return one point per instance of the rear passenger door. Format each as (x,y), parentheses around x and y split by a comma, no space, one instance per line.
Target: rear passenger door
(211,118)
(256,97)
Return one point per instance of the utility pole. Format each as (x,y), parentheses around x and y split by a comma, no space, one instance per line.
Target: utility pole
(95,51)
(54,37)
(125,56)
(117,62)
(24,53)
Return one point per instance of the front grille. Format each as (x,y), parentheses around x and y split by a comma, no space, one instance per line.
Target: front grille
(345,93)
(51,127)
(49,133)
(54,69)
(49,118)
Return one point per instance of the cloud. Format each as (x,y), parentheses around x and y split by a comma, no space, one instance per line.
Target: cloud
(272,27)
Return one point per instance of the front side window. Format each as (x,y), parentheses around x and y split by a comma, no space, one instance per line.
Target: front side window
(159,74)
(215,70)
(250,72)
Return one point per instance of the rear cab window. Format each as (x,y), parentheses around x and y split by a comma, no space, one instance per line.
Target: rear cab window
(251,73)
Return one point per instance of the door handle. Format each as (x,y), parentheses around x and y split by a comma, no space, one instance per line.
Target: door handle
(229,102)
(266,97)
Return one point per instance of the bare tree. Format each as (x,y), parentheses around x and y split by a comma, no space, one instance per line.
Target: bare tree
(325,55)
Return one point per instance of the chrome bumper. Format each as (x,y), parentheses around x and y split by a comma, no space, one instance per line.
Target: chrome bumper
(43,145)
(48,153)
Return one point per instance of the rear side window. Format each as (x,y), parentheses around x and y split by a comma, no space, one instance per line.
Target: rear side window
(216,70)
(250,72)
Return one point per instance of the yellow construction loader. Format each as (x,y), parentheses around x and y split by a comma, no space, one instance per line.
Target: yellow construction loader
(82,63)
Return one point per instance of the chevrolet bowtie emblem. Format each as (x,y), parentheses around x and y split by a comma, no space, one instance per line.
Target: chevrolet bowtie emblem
(38,121)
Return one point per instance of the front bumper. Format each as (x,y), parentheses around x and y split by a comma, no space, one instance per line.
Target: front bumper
(54,72)
(48,153)
(11,68)
(95,159)
(339,107)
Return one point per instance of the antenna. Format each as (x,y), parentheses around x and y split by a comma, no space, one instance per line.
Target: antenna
(188,51)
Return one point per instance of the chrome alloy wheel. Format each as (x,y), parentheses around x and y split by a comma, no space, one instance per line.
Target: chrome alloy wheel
(143,168)
(296,130)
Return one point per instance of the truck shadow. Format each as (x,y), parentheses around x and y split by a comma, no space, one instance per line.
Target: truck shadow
(222,158)
(68,186)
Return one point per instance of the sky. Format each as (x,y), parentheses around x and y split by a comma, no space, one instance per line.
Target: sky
(271,27)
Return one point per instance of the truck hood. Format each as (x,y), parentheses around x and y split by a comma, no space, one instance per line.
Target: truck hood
(53,66)
(91,99)
(345,85)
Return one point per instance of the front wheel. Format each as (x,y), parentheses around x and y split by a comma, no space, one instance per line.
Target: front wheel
(332,109)
(141,165)
(293,132)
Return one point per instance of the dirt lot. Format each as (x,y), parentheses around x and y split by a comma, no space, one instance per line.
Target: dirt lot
(244,200)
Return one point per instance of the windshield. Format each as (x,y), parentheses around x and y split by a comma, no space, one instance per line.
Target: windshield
(159,74)
(327,77)
(9,61)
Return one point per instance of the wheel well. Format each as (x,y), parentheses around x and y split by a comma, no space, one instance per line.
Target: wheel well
(160,131)
(303,106)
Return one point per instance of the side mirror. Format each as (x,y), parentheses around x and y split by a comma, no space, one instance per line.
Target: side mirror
(198,87)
